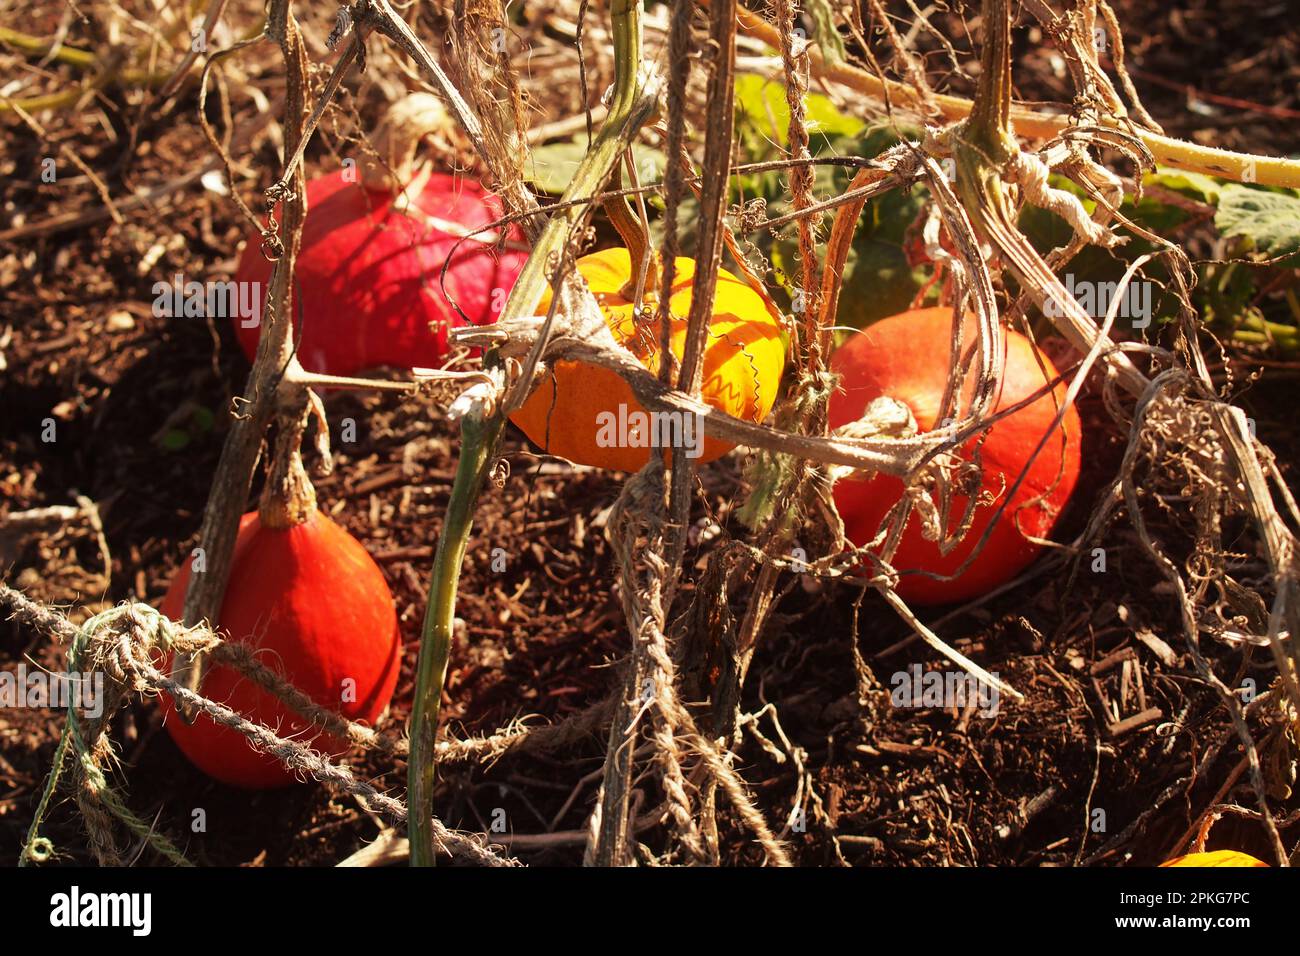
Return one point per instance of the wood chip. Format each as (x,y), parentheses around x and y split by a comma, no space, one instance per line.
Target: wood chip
(1111,660)
(1157,647)
(385,479)
(1122,727)
(414,552)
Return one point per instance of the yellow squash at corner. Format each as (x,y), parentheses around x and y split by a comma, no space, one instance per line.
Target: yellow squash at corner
(743,362)
(1215,858)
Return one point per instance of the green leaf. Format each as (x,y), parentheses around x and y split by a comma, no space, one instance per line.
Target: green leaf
(766,473)
(1224,293)
(764,117)
(688,217)
(1269,221)
(202,418)
(174,439)
(825,31)
(553,165)
(1197,185)
(1157,216)
(878,282)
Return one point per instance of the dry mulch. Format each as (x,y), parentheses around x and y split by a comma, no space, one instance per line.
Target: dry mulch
(898,786)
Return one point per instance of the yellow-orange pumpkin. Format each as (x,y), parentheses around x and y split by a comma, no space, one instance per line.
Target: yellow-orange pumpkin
(743,362)
(1215,858)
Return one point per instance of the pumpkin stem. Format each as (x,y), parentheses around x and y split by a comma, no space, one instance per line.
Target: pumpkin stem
(397,140)
(288,498)
(643,257)
(989,125)
(630,109)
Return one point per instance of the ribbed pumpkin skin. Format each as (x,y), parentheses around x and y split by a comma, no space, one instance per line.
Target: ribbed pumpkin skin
(1215,858)
(742,365)
(906,357)
(318,607)
(367,281)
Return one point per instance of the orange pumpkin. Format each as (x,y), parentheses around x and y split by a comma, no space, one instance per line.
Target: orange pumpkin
(317,608)
(906,357)
(577,407)
(1215,858)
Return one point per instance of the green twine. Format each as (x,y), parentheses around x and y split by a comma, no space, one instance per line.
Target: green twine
(39,849)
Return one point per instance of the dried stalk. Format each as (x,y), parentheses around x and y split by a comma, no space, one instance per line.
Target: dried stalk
(708,253)
(242,447)
(1242,167)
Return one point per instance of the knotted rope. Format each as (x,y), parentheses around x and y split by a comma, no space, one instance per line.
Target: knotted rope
(636,528)
(124,643)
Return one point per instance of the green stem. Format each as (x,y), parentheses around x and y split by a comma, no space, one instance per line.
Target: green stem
(627,114)
(625,22)
(1255,331)
(69,98)
(85,60)
(29,853)
(989,123)
(982,143)
(31,44)
(478,442)
(1294,302)
(629,111)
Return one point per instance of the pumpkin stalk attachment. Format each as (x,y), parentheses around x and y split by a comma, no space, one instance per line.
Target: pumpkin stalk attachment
(989,125)
(205,592)
(288,498)
(643,256)
(984,151)
(406,124)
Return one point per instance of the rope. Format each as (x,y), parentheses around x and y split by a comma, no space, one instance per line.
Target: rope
(637,522)
(636,525)
(122,643)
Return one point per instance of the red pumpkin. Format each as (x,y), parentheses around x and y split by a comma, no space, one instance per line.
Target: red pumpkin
(368,287)
(318,608)
(906,357)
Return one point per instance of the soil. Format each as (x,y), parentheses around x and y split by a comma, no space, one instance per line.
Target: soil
(139,407)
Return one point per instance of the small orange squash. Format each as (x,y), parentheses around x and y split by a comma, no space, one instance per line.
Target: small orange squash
(743,362)
(317,608)
(1215,858)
